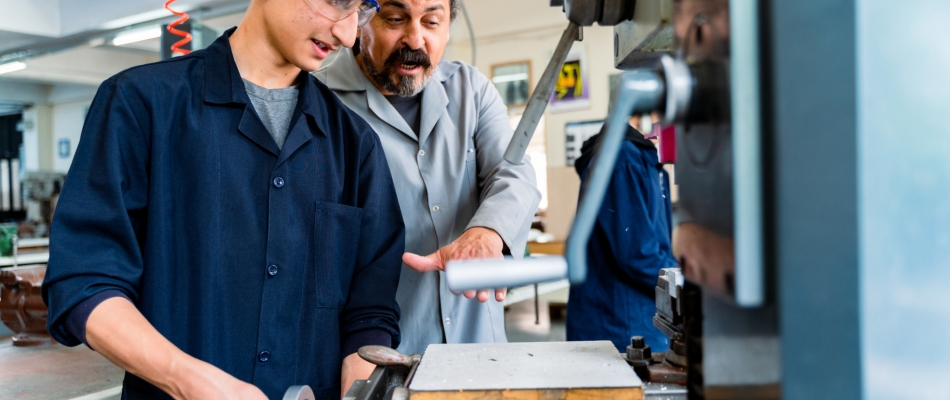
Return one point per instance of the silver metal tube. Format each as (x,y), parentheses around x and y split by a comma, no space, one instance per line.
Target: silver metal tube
(499,273)
(541,96)
(641,91)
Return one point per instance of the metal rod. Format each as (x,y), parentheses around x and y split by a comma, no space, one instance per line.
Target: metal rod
(641,91)
(541,96)
(499,273)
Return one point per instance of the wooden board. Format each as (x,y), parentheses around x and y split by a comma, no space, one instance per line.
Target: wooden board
(525,371)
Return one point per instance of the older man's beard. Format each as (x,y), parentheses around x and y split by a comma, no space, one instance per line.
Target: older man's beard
(390,80)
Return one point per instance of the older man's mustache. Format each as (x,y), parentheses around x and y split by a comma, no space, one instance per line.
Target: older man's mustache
(408,57)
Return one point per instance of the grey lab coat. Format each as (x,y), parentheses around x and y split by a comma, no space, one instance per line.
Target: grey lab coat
(450,178)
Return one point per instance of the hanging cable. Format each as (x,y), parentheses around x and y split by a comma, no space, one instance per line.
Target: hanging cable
(176,48)
(471,29)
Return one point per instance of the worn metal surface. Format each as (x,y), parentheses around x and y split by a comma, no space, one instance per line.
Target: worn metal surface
(542,365)
(21,305)
(641,41)
(741,346)
(663,373)
(54,372)
(815,244)
(381,385)
(386,357)
(664,391)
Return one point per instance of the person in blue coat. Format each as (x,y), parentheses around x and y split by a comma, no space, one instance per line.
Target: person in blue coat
(629,245)
(228,228)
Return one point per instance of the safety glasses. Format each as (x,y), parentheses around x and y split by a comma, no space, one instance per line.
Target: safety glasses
(338,10)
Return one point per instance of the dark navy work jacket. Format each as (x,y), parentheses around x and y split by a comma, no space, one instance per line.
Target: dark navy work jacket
(629,245)
(262,262)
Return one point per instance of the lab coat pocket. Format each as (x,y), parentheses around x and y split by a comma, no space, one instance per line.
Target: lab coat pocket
(336,241)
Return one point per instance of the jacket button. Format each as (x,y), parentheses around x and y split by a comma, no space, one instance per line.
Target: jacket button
(264,356)
(279,182)
(435,208)
(448,320)
(422,152)
(271,270)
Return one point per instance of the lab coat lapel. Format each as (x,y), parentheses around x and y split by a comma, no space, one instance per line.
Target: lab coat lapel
(434,103)
(385,111)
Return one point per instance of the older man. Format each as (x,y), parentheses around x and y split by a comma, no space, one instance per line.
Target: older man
(444,129)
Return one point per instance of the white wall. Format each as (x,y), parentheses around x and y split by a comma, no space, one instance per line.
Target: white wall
(37,138)
(68,119)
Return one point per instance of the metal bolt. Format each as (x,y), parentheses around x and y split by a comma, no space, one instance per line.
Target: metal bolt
(637,342)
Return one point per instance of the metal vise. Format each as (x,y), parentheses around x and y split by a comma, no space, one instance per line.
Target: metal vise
(21,305)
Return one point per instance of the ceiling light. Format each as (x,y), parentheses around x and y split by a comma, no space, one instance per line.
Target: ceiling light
(10,67)
(137,36)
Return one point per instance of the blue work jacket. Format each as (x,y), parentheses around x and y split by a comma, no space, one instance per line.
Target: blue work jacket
(261,261)
(628,247)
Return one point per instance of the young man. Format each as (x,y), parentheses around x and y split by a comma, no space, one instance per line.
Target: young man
(628,247)
(228,228)
(445,130)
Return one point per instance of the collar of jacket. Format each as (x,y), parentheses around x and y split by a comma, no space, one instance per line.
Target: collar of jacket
(223,84)
(591,146)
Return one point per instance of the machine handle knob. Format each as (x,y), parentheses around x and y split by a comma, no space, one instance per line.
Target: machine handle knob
(384,356)
(300,392)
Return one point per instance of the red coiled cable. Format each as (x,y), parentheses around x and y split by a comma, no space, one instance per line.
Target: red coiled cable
(176,48)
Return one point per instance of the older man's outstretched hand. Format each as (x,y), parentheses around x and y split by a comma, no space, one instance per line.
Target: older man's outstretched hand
(477,242)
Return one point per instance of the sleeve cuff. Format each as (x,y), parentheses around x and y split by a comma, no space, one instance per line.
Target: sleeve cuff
(354,341)
(76,322)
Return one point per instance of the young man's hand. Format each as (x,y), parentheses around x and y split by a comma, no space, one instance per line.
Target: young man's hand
(475,242)
(354,368)
(209,382)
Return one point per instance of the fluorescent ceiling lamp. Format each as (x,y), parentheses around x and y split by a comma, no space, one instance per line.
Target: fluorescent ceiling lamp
(10,67)
(137,36)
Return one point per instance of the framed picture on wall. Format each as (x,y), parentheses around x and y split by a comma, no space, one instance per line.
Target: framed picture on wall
(572,89)
(513,81)
(575,134)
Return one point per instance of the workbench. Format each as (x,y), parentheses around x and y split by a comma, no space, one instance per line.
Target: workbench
(56,372)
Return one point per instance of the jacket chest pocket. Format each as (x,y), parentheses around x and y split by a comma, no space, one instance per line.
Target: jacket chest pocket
(336,237)
(471,169)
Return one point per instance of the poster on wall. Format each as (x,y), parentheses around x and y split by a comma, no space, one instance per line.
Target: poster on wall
(572,89)
(576,133)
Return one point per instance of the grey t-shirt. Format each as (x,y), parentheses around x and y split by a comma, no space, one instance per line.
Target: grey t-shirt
(275,107)
(408,107)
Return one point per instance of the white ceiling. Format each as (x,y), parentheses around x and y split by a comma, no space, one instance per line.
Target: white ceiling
(32,22)
(36,23)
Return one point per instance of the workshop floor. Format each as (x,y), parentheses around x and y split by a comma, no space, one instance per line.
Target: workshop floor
(521,326)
